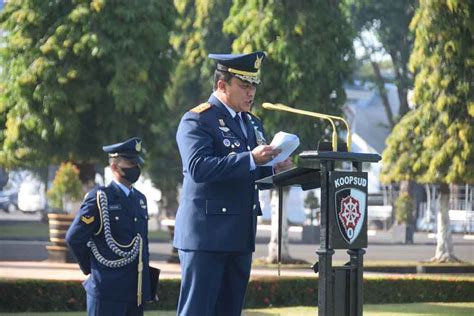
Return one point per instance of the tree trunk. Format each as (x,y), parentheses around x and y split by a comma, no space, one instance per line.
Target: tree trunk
(444,241)
(380,82)
(402,83)
(169,202)
(273,245)
(86,173)
(406,186)
(383,93)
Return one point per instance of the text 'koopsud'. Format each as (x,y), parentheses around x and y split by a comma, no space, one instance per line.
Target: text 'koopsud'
(350,180)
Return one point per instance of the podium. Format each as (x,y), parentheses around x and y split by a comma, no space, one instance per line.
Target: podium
(343,223)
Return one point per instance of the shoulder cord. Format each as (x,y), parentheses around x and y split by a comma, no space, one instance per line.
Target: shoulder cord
(127,256)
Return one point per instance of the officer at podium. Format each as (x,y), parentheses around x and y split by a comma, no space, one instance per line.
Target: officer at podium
(109,238)
(223,151)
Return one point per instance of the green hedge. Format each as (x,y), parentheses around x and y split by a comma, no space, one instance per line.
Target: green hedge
(422,268)
(393,290)
(40,296)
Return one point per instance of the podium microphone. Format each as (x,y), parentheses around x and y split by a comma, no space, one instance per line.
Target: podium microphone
(330,118)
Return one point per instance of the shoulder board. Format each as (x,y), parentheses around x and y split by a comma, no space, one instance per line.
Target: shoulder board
(201,108)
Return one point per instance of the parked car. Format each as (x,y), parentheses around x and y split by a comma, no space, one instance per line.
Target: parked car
(9,201)
(32,196)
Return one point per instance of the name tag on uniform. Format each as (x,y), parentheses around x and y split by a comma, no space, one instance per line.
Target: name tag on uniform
(115,207)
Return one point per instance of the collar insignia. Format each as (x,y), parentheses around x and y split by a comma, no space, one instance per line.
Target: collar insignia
(258,62)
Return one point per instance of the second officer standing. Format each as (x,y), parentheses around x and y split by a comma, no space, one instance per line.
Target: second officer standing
(109,238)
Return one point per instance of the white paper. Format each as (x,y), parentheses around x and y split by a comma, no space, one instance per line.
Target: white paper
(287,143)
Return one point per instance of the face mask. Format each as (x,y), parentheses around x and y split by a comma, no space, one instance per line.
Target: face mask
(131,174)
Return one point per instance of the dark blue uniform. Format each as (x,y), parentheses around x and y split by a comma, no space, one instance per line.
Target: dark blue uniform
(112,290)
(217,217)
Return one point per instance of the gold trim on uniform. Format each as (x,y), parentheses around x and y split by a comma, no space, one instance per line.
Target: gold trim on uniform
(250,79)
(201,108)
(243,73)
(87,219)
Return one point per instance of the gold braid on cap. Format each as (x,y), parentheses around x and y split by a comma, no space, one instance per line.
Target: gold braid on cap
(251,77)
(252,80)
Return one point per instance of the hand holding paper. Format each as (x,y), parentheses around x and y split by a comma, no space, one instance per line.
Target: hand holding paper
(287,143)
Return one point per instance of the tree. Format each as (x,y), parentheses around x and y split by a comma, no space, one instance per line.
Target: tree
(80,74)
(309,50)
(198,32)
(389,21)
(434,143)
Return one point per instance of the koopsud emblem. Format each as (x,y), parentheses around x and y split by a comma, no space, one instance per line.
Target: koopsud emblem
(350,212)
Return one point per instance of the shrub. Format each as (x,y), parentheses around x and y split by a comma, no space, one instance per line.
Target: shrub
(66,185)
(40,296)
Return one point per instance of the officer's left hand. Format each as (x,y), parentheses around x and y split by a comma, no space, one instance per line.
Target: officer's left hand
(283,166)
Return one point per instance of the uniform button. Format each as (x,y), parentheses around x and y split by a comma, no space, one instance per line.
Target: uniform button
(224,209)
(254,206)
(248,147)
(256,187)
(136,219)
(116,218)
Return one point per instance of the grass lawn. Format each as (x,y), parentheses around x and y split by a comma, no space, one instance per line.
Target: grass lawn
(259,262)
(26,231)
(40,231)
(417,309)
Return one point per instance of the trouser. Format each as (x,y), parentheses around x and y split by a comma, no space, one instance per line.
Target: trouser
(98,307)
(213,283)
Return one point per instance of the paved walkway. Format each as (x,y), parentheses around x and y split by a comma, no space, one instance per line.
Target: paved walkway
(45,270)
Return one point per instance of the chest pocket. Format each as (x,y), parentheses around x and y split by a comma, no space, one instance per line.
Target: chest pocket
(143,215)
(222,207)
(118,218)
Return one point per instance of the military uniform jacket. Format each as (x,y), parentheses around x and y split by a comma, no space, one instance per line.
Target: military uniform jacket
(128,216)
(219,199)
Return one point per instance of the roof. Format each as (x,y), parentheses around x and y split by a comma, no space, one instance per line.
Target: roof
(367,117)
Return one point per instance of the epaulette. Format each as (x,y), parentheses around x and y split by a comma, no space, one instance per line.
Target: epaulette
(201,108)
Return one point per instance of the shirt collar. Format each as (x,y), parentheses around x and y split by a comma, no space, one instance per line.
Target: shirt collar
(231,110)
(123,187)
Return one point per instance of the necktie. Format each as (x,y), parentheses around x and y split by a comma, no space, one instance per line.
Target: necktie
(131,194)
(239,121)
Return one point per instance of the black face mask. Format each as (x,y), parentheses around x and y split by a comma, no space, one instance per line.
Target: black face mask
(131,174)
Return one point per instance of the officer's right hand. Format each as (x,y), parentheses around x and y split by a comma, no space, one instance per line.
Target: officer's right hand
(263,154)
